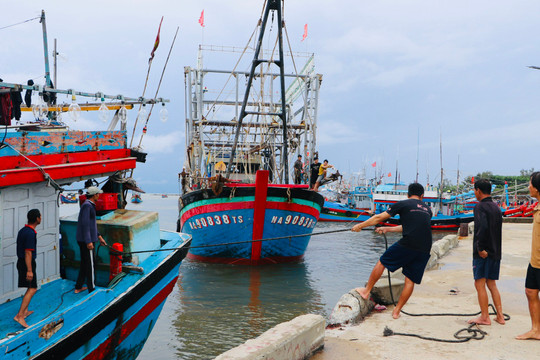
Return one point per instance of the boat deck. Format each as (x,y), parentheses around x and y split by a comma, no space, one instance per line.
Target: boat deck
(55,296)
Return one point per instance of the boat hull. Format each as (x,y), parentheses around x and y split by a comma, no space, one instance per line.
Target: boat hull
(113,322)
(229,218)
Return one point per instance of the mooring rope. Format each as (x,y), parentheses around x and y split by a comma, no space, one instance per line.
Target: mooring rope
(117,252)
(476,334)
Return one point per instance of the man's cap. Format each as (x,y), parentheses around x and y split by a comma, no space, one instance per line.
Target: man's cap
(93,190)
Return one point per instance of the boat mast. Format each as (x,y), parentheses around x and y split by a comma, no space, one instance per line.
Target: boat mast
(45,49)
(272,5)
(442,174)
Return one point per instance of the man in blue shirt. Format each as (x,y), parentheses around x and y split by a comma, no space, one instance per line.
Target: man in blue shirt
(411,252)
(26,263)
(87,235)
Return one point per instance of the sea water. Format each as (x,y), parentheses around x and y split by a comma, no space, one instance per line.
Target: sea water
(215,307)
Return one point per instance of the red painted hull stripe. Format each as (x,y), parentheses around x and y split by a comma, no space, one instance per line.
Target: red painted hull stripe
(301,186)
(108,346)
(64,171)
(205,209)
(243,261)
(19,162)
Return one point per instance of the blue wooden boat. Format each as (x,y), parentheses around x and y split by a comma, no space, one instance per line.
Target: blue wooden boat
(68,199)
(113,321)
(136,199)
(36,160)
(338,212)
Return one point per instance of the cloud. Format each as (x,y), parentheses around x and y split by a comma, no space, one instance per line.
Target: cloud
(163,144)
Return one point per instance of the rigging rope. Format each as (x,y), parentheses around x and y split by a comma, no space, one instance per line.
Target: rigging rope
(19,23)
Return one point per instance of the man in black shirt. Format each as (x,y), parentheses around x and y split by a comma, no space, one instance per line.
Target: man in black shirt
(412,252)
(314,172)
(487,244)
(26,263)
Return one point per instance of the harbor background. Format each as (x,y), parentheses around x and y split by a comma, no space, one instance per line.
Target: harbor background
(215,307)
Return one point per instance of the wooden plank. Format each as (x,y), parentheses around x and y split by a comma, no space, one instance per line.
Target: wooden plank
(84,107)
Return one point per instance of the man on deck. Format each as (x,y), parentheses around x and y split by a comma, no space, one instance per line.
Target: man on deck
(26,263)
(87,235)
(298,165)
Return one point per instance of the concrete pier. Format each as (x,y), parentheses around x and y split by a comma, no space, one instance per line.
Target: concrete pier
(448,288)
(293,340)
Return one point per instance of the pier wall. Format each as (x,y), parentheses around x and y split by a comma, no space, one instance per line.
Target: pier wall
(293,340)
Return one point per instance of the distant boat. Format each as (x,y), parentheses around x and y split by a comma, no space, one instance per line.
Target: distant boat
(136,198)
(68,199)
(164,196)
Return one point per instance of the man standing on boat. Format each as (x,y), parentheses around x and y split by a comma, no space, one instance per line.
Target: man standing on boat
(487,245)
(26,263)
(314,172)
(411,252)
(298,165)
(322,174)
(87,235)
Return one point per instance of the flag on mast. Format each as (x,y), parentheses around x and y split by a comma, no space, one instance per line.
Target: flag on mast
(156,43)
(374,164)
(305,33)
(201,19)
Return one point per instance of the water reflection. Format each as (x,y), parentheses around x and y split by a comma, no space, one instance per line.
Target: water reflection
(225,305)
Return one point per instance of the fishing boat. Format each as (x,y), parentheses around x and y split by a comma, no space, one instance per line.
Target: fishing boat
(69,198)
(36,161)
(237,190)
(136,198)
(358,207)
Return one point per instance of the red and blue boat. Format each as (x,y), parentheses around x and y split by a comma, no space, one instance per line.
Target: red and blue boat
(235,212)
(227,228)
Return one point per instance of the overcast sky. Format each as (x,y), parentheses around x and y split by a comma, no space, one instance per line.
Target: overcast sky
(391,70)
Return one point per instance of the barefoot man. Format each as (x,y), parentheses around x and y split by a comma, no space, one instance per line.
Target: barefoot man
(26,263)
(411,252)
(487,244)
(532,282)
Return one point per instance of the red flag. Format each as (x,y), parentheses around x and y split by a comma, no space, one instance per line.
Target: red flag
(201,19)
(389,174)
(156,43)
(472,180)
(374,164)
(305,33)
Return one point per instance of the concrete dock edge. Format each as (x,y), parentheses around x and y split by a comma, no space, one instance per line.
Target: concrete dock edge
(295,339)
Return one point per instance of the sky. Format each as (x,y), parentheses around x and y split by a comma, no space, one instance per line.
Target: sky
(400,78)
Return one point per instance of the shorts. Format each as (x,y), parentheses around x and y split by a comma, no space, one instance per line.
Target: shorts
(486,268)
(532,281)
(413,262)
(21,267)
(320,178)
